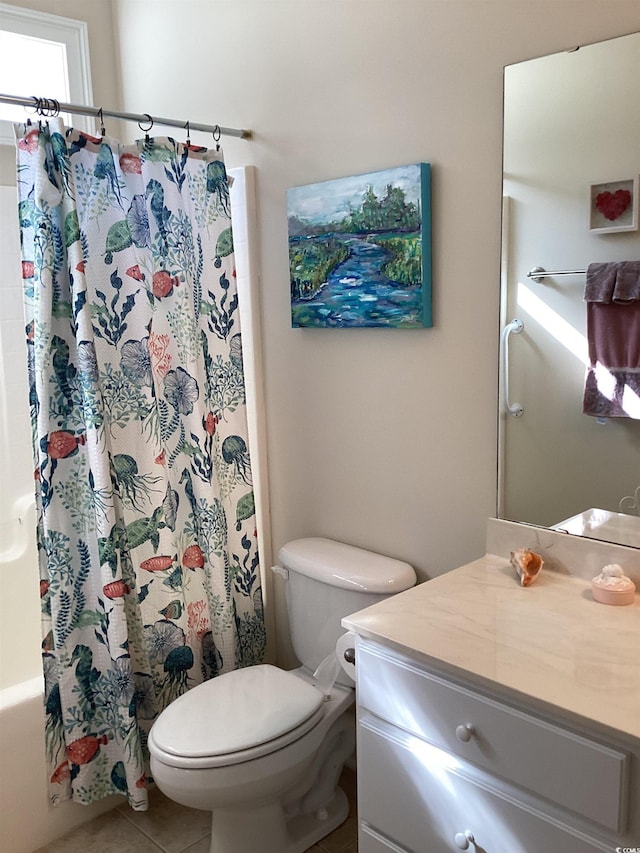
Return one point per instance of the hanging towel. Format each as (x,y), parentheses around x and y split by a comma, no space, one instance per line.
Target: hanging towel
(612,294)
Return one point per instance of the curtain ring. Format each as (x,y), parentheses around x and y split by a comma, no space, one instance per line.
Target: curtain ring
(148,118)
(188,129)
(49,107)
(45,107)
(36,104)
(102,127)
(216,136)
(146,130)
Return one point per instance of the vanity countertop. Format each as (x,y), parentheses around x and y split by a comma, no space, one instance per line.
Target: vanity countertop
(550,642)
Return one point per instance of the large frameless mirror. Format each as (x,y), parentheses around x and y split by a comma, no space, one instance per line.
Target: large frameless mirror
(571,143)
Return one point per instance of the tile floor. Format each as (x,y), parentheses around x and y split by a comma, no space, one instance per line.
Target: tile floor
(170,828)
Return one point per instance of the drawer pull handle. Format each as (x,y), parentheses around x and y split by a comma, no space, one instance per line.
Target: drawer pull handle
(465,733)
(462,840)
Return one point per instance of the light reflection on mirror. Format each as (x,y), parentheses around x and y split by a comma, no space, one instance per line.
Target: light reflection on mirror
(576,344)
(571,121)
(563,332)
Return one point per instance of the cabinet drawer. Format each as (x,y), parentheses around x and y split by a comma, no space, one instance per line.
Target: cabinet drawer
(576,773)
(437,797)
(370,842)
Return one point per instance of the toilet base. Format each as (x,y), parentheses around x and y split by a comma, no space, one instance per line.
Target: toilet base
(305,830)
(266,829)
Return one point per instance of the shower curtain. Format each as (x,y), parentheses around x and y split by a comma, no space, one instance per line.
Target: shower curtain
(149,572)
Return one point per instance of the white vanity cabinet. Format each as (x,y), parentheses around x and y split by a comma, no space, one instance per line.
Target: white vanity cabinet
(445,766)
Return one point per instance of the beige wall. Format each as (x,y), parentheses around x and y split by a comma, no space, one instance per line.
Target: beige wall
(385,439)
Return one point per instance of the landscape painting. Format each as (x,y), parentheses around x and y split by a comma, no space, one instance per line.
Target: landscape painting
(360,250)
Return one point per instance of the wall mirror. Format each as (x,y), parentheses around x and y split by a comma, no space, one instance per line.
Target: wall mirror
(571,124)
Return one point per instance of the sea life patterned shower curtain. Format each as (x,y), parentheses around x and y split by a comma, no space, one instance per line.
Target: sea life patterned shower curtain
(149,573)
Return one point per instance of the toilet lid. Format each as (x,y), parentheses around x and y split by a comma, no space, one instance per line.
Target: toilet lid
(235,711)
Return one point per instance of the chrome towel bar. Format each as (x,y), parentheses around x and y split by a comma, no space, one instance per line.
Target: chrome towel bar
(538,273)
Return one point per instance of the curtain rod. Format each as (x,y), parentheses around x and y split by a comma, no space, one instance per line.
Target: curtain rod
(98,112)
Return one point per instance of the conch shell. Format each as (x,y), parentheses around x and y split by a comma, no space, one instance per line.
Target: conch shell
(527,564)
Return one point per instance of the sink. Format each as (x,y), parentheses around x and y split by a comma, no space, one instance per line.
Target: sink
(602,524)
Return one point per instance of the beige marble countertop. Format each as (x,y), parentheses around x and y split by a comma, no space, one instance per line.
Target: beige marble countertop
(550,642)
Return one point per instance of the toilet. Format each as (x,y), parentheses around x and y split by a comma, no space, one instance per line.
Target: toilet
(262,748)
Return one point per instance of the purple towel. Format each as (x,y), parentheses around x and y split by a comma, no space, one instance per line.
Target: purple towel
(612,387)
(613,282)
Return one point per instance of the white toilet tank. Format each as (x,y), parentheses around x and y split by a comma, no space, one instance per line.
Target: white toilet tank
(327,581)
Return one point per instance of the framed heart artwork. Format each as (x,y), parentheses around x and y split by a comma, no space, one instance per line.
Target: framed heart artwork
(613,206)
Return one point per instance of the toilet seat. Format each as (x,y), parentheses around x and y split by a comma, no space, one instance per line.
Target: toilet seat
(236,717)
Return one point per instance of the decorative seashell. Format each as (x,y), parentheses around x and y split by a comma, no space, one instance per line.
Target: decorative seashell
(527,564)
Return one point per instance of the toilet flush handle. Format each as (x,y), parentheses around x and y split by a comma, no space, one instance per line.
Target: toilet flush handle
(279,570)
(350,656)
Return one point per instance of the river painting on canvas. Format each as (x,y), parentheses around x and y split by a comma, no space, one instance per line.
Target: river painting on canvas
(360,250)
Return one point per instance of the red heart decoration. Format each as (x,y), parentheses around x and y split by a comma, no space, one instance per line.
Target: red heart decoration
(613,205)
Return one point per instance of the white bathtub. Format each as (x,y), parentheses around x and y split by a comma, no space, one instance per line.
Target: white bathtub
(19,588)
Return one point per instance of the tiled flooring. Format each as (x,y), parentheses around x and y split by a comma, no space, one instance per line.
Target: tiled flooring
(170,828)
